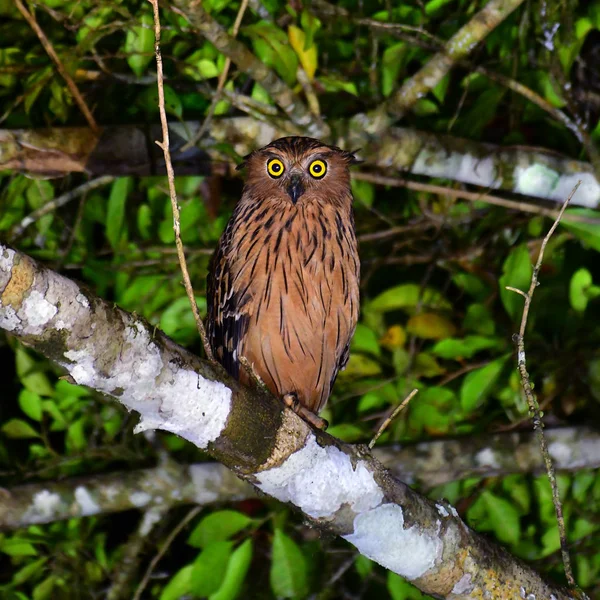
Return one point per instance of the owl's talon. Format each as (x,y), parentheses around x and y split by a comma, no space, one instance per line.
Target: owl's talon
(292,401)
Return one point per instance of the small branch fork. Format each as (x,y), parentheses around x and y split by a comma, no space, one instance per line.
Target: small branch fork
(83,107)
(220,84)
(394,414)
(534,407)
(164,145)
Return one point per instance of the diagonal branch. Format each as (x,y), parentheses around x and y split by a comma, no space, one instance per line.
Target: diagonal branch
(458,47)
(83,107)
(339,488)
(237,52)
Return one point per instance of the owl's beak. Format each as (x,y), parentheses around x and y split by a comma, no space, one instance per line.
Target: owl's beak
(295,188)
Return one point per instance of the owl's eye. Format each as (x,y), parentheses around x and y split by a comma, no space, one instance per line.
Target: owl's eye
(275,168)
(317,169)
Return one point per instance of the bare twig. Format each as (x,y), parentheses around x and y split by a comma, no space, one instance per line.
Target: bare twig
(55,203)
(83,107)
(128,566)
(164,145)
(394,414)
(465,195)
(309,92)
(176,531)
(220,84)
(534,407)
(282,94)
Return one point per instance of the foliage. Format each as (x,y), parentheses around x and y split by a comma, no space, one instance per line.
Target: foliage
(435,311)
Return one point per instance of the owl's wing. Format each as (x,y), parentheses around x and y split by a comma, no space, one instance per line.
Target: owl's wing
(226,324)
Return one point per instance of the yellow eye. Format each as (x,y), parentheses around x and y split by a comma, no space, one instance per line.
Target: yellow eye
(317,169)
(275,168)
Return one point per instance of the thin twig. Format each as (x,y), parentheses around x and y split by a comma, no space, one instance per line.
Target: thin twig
(176,531)
(396,412)
(55,203)
(83,107)
(164,145)
(128,565)
(283,95)
(470,196)
(534,407)
(220,84)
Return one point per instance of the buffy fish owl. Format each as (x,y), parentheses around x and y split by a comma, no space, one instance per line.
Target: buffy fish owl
(283,283)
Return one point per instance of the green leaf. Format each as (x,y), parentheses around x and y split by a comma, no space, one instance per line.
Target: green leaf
(17,547)
(360,365)
(549,89)
(335,84)
(29,570)
(115,214)
(238,566)
(347,432)
(139,44)
(589,233)
(210,567)
(288,568)
(172,102)
(503,516)
(458,349)
(76,439)
(517,271)
(18,429)
(365,340)
(401,589)
(433,6)
(363,565)
(179,585)
(363,191)
(144,221)
(582,290)
(407,296)
(30,374)
(392,62)
(306,54)
(430,326)
(471,285)
(479,320)
(272,46)
(31,404)
(43,591)
(478,384)
(217,527)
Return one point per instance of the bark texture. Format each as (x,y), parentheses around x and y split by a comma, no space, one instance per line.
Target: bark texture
(341,489)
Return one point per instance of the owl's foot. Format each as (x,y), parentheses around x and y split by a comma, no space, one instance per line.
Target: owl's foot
(291,401)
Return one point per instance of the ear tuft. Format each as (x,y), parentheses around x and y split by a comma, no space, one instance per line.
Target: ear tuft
(351,159)
(244,162)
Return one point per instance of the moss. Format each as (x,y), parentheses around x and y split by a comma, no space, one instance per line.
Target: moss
(242,444)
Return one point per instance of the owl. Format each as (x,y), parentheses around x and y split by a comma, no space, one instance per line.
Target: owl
(283,284)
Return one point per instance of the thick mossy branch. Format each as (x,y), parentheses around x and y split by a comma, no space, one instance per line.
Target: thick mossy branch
(339,488)
(123,150)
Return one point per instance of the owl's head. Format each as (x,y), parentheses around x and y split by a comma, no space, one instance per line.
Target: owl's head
(299,169)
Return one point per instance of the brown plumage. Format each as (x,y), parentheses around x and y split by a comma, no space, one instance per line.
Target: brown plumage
(283,282)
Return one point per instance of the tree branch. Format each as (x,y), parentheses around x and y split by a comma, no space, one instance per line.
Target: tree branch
(339,488)
(237,52)
(123,150)
(458,47)
(427,464)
